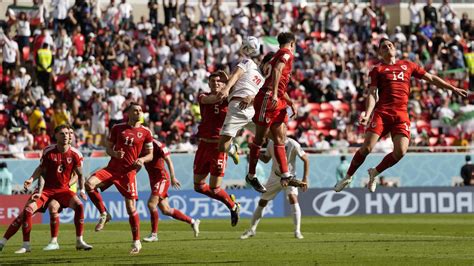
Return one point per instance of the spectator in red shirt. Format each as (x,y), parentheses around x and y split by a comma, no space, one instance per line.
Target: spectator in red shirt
(79,41)
(42,140)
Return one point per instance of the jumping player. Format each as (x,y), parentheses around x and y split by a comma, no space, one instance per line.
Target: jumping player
(270,112)
(125,144)
(273,185)
(208,159)
(159,184)
(386,110)
(57,165)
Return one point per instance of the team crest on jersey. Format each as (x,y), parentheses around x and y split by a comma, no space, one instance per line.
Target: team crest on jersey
(69,160)
(374,125)
(404,67)
(139,134)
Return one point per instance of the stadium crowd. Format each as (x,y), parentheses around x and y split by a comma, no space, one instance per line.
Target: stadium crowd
(71,65)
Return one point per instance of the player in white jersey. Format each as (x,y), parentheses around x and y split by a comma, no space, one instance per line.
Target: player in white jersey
(274,187)
(240,90)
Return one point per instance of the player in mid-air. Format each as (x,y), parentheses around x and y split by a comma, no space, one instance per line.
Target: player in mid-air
(240,90)
(58,163)
(273,186)
(208,158)
(159,183)
(386,110)
(125,144)
(270,105)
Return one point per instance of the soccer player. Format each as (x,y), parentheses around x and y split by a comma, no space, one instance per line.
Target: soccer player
(57,165)
(240,91)
(159,184)
(208,159)
(273,185)
(270,112)
(125,144)
(386,110)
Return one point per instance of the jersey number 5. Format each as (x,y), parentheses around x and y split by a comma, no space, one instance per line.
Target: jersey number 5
(400,76)
(216,108)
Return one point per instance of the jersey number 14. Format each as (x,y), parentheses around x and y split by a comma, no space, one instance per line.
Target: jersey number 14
(400,76)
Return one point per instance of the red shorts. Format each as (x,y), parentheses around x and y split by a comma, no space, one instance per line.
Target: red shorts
(382,124)
(265,114)
(209,160)
(62,196)
(159,187)
(126,183)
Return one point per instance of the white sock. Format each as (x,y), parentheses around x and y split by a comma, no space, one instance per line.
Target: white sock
(296,216)
(3,241)
(79,239)
(285,175)
(192,221)
(136,242)
(26,243)
(231,149)
(257,215)
(54,240)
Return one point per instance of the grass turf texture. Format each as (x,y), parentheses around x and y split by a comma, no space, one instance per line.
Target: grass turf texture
(376,240)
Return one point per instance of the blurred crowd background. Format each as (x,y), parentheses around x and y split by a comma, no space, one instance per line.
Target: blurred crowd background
(73,62)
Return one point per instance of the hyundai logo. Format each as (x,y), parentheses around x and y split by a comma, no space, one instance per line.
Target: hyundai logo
(178,202)
(330,203)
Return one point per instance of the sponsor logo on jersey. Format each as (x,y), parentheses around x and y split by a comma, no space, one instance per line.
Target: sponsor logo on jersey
(373,125)
(139,134)
(404,67)
(387,69)
(69,160)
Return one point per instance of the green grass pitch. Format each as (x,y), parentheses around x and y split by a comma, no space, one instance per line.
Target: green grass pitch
(362,240)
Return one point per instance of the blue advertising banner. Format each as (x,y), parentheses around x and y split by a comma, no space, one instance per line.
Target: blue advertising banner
(190,202)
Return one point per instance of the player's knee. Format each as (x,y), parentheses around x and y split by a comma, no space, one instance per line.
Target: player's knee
(79,207)
(166,210)
(131,210)
(262,203)
(151,206)
(89,186)
(366,149)
(292,199)
(198,187)
(399,153)
(215,190)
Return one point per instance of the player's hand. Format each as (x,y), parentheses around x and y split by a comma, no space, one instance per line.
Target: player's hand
(138,163)
(364,118)
(221,95)
(83,195)
(175,183)
(27,183)
(460,92)
(284,182)
(119,154)
(36,196)
(304,187)
(245,103)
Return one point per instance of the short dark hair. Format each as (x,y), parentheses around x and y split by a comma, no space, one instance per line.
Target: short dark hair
(468,158)
(130,106)
(221,74)
(61,127)
(382,41)
(3,165)
(285,38)
(267,57)
(343,158)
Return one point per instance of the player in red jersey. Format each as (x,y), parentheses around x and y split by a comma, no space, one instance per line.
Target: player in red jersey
(58,162)
(270,105)
(386,110)
(208,159)
(125,144)
(159,184)
(53,206)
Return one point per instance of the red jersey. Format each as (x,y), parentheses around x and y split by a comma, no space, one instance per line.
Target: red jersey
(283,55)
(213,116)
(58,167)
(393,83)
(42,141)
(131,140)
(157,165)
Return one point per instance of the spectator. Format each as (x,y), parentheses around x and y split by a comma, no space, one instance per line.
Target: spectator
(42,140)
(322,144)
(467,172)
(99,111)
(88,147)
(11,54)
(431,16)
(415,16)
(45,61)
(342,168)
(6,179)
(23,32)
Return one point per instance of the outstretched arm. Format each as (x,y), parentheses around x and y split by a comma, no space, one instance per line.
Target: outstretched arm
(441,83)
(370,102)
(233,79)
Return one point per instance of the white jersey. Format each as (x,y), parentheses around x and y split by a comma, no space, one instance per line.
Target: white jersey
(250,82)
(292,149)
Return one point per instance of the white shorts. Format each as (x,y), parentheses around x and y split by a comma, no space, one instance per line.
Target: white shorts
(274,187)
(98,128)
(236,119)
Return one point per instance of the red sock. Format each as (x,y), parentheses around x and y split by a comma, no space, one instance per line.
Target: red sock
(134,221)
(154,220)
(222,196)
(280,156)
(253,157)
(178,215)
(203,188)
(54,224)
(387,162)
(26,225)
(79,219)
(96,198)
(356,162)
(13,228)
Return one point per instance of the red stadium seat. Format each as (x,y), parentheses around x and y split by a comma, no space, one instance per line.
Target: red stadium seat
(450,140)
(4,118)
(326,106)
(433,141)
(292,125)
(333,132)
(434,131)
(326,116)
(32,155)
(422,124)
(314,106)
(26,53)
